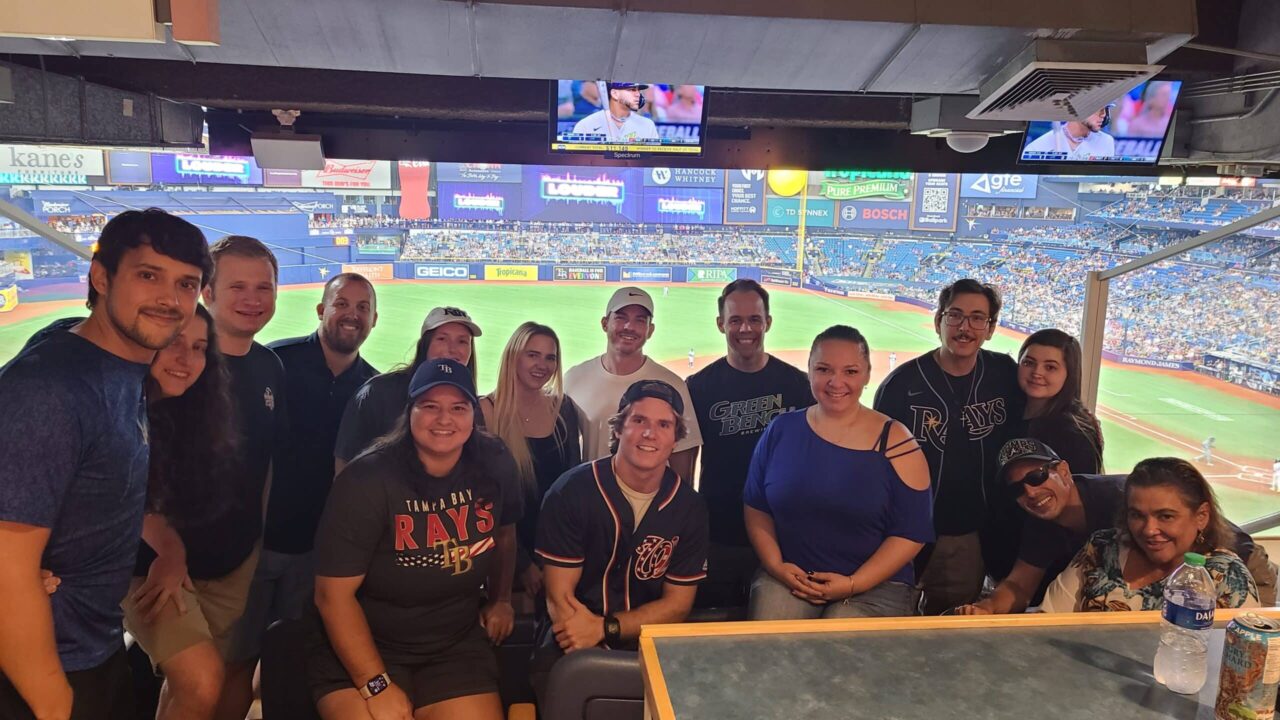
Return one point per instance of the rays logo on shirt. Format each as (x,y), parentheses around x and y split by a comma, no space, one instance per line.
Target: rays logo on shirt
(979,419)
(653,556)
(269,399)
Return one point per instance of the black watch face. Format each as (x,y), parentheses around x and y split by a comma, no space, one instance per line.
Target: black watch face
(377,685)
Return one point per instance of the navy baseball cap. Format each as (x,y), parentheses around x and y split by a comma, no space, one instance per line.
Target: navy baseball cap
(628,86)
(442,371)
(652,389)
(1020,449)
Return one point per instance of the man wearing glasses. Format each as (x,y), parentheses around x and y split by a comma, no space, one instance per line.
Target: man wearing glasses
(962,403)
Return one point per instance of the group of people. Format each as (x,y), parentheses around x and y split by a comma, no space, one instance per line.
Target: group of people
(168,475)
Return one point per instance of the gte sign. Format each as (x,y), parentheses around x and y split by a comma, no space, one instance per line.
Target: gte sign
(441,272)
(998,185)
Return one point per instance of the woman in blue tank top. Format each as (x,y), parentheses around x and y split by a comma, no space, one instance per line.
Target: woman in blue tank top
(837,500)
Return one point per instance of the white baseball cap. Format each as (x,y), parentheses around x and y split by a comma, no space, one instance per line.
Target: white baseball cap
(445,315)
(625,296)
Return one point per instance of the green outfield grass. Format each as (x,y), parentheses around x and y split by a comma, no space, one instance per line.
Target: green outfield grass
(1156,404)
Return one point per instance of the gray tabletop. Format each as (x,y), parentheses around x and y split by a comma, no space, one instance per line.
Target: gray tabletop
(1043,672)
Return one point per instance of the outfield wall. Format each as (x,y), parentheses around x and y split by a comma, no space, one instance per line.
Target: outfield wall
(640,273)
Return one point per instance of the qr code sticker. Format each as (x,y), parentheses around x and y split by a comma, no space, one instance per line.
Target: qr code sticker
(934,200)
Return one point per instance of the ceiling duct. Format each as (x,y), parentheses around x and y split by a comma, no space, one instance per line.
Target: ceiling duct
(1062,80)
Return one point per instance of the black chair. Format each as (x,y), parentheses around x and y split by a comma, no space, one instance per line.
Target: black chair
(285,693)
(146,685)
(595,684)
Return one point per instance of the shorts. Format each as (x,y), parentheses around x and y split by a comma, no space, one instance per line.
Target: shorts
(470,667)
(283,589)
(212,612)
(101,693)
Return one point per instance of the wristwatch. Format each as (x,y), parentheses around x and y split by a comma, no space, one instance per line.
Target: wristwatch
(612,630)
(376,684)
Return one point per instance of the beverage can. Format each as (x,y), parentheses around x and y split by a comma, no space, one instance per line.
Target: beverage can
(1250,669)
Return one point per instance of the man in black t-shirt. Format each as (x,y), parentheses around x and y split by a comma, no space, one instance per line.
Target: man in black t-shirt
(735,398)
(242,299)
(323,370)
(961,403)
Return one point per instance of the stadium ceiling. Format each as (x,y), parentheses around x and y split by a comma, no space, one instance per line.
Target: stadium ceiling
(806,82)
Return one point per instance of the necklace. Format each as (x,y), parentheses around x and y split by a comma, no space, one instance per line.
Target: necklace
(542,402)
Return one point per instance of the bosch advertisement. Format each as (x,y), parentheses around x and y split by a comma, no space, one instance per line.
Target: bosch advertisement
(478,201)
(581,194)
(874,215)
(181,169)
(683,205)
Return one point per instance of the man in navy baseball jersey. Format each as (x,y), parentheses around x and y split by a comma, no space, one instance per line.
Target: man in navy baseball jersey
(622,540)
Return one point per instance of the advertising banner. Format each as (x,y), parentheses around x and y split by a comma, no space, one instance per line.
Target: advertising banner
(997,185)
(718,275)
(646,274)
(786,211)
(415,189)
(19,262)
(579,273)
(356,174)
(128,167)
(282,178)
(684,178)
(580,194)
(8,299)
(372,271)
(933,202)
(511,273)
(183,169)
(478,172)
(863,184)
(48,164)
(780,277)
(744,197)
(441,271)
(683,206)
(874,214)
(478,201)
(313,202)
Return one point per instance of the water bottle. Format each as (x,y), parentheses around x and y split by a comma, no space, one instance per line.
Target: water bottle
(1187,618)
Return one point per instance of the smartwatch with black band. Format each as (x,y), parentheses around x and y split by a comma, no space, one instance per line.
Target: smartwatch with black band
(376,685)
(612,630)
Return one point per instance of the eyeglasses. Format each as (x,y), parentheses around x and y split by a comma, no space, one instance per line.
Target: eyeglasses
(955,318)
(1035,478)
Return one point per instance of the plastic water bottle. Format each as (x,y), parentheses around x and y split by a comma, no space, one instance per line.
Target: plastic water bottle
(1187,618)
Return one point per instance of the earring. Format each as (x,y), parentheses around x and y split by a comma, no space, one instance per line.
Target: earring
(1200,537)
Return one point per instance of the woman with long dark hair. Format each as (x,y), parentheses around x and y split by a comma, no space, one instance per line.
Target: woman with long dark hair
(1049,373)
(539,424)
(188,591)
(412,530)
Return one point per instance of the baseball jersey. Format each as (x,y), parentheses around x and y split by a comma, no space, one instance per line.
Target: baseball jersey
(596,392)
(1095,144)
(635,127)
(586,522)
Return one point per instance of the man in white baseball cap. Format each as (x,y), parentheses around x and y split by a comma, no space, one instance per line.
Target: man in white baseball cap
(596,385)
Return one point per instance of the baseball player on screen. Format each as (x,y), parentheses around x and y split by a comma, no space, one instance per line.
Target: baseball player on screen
(1082,139)
(620,120)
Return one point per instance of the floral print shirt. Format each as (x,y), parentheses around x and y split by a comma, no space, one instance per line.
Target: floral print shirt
(1094,581)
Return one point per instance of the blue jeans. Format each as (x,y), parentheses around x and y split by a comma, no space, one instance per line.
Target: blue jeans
(771,600)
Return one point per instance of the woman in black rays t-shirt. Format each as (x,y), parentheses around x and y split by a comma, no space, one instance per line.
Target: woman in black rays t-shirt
(1049,373)
(411,532)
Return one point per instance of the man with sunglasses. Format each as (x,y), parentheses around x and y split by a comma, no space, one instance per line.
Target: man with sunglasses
(1065,510)
(961,403)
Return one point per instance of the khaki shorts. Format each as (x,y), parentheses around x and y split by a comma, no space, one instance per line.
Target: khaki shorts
(212,612)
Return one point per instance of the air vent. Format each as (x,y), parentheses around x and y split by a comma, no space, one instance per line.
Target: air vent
(1054,80)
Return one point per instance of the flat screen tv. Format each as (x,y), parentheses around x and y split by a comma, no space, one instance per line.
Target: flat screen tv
(627,119)
(1129,131)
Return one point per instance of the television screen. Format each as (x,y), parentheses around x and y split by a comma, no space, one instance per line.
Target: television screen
(625,119)
(1130,130)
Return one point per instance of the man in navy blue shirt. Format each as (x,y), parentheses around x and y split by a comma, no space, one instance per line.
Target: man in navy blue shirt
(73,471)
(623,541)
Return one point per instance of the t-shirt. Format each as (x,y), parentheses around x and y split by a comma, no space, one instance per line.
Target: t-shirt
(1050,546)
(303,472)
(587,523)
(639,503)
(216,548)
(961,423)
(596,392)
(1095,144)
(733,409)
(1072,444)
(635,127)
(74,460)
(832,507)
(424,544)
(373,412)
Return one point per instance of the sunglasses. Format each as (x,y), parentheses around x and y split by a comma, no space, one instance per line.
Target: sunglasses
(1035,478)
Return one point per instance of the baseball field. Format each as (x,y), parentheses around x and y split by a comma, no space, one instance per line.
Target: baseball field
(1144,412)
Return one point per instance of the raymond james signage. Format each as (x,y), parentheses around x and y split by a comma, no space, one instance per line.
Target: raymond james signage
(49,163)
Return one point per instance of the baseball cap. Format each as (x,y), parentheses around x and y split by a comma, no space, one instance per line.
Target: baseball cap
(628,86)
(442,371)
(652,389)
(445,315)
(629,296)
(1020,449)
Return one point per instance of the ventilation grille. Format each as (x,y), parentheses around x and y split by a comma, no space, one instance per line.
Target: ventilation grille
(1059,91)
